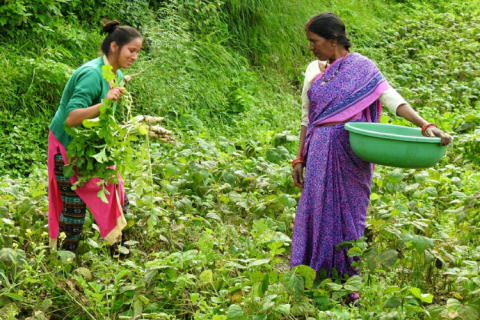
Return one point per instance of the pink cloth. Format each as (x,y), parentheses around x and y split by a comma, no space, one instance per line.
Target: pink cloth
(108,216)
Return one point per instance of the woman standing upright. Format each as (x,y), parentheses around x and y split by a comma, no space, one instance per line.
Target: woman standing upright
(336,189)
(81,99)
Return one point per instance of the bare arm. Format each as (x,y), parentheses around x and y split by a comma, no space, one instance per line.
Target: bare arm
(297,173)
(303,133)
(406,112)
(76,117)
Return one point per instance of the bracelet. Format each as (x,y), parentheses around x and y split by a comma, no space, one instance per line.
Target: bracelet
(298,160)
(426,126)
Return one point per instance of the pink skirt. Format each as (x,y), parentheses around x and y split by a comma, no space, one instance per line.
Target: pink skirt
(108,216)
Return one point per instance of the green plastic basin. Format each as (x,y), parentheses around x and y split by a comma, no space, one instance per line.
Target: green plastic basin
(394,146)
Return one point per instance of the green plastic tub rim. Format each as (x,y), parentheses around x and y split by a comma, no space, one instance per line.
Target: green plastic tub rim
(355,127)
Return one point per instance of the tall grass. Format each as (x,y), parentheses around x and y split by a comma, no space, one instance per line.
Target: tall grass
(222,65)
(272,34)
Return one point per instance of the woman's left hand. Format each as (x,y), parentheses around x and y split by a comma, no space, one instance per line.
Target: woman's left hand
(435,132)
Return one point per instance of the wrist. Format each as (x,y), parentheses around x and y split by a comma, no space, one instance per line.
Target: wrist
(423,123)
(426,126)
(297,161)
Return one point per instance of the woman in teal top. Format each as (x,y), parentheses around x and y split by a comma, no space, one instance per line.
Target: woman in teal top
(81,99)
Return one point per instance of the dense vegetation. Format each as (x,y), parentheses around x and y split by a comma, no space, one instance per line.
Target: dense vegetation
(210,236)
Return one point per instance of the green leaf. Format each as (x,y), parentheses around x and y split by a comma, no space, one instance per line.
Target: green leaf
(65,256)
(374,197)
(101,195)
(294,284)
(14,297)
(323,273)
(267,306)
(68,171)
(143,130)
(393,302)
(395,176)
(453,305)
(230,178)
(256,276)
(307,273)
(197,178)
(388,257)
(435,312)
(107,73)
(334,273)
(217,300)
(467,313)
(90,123)
(322,302)
(137,307)
(194,297)
(283,309)
(421,243)
(170,171)
(149,276)
(273,156)
(206,276)
(391,289)
(354,252)
(333,286)
(431,191)
(235,312)
(101,156)
(416,292)
(428,298)
(354,283)
(265,283)
(258,262)
(384,118)
(339,294)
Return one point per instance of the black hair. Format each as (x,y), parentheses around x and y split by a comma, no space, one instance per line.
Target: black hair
(329,26)
(121,35)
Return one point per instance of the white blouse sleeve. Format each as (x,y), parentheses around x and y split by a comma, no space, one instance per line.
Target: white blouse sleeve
(313,70)
(392,99)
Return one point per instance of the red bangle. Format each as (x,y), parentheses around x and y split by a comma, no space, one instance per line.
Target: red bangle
(298,160)
(426,126)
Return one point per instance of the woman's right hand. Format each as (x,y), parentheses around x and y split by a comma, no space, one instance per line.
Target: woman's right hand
(115,93)
(297,174)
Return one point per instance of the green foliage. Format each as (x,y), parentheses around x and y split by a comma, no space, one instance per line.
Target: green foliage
(210,236)
(31,13)
(23,141)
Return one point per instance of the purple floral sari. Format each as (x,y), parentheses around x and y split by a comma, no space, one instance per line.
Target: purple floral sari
(336,194)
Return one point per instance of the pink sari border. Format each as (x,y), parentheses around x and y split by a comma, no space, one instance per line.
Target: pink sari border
(358,106)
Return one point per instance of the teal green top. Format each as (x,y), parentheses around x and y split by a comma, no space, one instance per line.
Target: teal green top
(84,89)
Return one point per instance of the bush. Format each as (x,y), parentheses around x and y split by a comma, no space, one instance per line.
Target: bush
(23,142)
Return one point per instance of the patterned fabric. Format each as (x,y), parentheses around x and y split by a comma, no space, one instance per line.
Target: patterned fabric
(354,90)
(74,209)
(336,193)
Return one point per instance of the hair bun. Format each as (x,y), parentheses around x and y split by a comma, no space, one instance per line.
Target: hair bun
(110,26)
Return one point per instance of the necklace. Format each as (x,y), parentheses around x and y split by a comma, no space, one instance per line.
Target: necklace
(338,69)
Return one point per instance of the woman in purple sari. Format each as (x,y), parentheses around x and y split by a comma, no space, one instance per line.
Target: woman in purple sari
(336,189)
